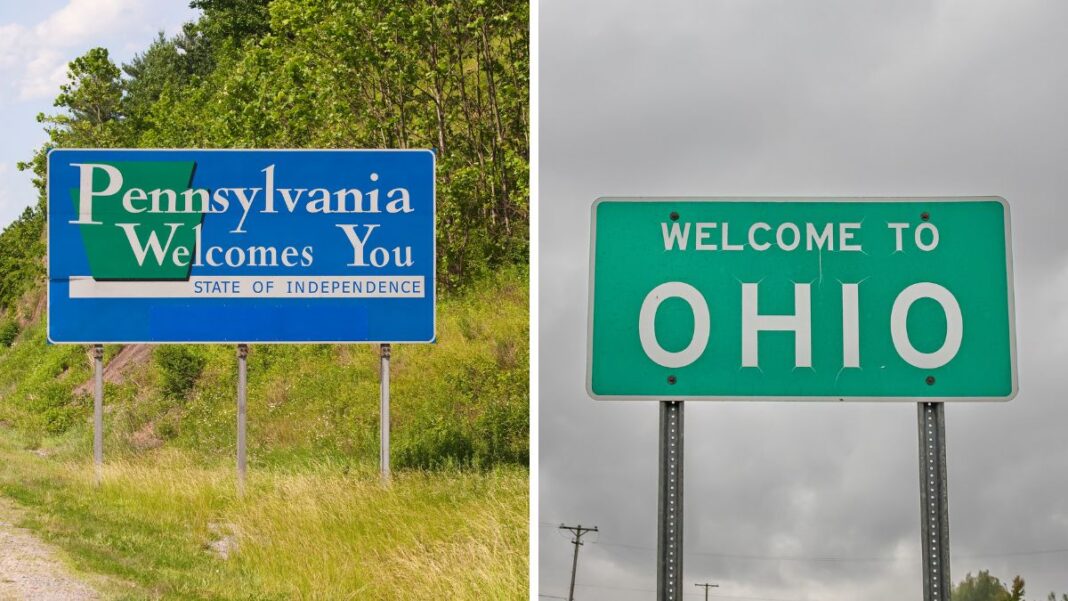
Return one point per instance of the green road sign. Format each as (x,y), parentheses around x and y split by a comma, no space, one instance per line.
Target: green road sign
(801,299)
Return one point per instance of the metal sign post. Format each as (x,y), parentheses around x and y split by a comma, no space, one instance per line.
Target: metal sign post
(98,411)
(934,502)
(383,426)
(669,505)
(242,402)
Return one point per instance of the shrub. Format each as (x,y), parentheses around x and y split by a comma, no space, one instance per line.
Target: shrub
(434,441)
(179,368)
(9,330)
(52,410)
(502,434)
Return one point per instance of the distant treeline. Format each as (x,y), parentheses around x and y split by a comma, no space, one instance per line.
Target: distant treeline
(985,587)
(451,76)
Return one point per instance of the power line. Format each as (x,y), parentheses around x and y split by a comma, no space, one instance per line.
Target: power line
(578,531)
(763,557)
(649,590)
(1014,553)
(832,558)
(835,559)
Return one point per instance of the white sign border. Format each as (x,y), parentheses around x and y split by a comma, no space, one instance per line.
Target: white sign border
(434,269)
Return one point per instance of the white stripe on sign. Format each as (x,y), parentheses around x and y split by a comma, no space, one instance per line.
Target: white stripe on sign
(251,286)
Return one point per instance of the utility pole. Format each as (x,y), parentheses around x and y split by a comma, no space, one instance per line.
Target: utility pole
(578,531)
(707,586)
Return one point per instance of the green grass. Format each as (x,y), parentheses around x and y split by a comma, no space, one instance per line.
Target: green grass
(321,532)
(315,522)
(460,402)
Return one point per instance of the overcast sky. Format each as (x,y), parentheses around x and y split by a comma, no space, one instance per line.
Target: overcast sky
(851,97)
(37,40)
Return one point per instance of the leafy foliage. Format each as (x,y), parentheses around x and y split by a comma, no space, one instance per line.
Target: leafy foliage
(335,74)
(9,330)
(179,369)
(460,402)
(22,250)
(234,20)
(93,92)
(984,587)
(51,408)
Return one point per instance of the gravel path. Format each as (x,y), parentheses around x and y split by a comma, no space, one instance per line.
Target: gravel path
(29,569)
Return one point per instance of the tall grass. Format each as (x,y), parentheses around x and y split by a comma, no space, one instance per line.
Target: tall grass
(320,532)
(462,401)
(315,522)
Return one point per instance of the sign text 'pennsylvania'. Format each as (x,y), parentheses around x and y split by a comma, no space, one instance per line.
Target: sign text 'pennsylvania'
(241,246)
(801,299)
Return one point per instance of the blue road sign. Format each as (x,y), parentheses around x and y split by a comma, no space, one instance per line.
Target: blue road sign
(232,246)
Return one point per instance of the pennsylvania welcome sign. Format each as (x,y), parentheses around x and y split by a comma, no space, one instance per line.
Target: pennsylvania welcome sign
(234,246)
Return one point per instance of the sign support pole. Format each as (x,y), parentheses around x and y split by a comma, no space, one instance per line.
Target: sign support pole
(242,410)
(98,411)
(383,426)
(934,502)
(669,505)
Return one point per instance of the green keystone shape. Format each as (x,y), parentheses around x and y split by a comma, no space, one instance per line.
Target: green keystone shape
(111,256)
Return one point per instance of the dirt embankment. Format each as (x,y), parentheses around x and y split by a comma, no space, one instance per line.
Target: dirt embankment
(115,370)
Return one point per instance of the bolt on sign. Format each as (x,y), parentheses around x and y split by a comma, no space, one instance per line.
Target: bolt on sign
(801,299)
(241,246)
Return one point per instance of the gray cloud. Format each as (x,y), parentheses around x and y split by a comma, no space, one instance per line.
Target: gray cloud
(816,98)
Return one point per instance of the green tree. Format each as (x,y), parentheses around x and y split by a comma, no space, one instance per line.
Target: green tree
(93,92)
(92,109)
(21,250)
(1017,592)
(234,20)
(167,64)
(985,587)
(452,76)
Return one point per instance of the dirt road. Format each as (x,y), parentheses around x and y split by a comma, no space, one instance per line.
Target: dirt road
(30,570)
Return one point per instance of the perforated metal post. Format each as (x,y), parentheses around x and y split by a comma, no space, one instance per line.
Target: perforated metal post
(383,426)
(98,411)
(669,506)
(934,502)
(242,409)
